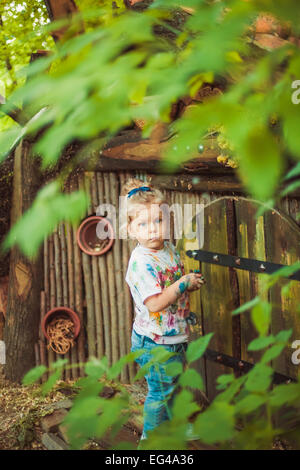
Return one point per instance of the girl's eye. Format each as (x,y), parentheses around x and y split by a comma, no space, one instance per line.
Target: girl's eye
(142,224)
(158,221)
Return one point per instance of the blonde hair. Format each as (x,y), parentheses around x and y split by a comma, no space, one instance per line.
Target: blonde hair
(155,196)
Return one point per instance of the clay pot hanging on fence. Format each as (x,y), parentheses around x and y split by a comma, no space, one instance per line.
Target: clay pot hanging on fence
(60,326)
(90,235)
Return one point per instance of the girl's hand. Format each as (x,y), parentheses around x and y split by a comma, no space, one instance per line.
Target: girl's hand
(192,281)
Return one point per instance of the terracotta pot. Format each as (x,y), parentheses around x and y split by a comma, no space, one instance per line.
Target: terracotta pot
(266,24)
(88,240)
(64,311)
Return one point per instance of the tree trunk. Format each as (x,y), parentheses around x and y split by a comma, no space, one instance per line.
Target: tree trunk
(25,275)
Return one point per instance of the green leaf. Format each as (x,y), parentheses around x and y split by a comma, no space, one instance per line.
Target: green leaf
(231,390)
(216,424)
(293,172)
(197,347)
(247,306)
(259,378)
(233,56)
(116,368)
(59,363)
(250,403)
(272,353)
(33,375)
(261,317)
(285,290)
(160,355)
(184,406)
(95,368)
(89,386)
(111,413)
(261,343)
(291,187)
(142,371)
(260,163)
(284,335)
(286,271)
(224,380)
(191,378)
(284,394)
(82,420)
(174,368)
(48,209)
(291,127)
(9,140)
(53,378)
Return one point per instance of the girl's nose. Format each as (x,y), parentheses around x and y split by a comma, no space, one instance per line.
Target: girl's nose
(152,227)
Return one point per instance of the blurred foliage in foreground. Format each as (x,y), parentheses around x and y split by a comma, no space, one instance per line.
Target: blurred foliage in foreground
(97,82)
(20,36)
(247,413)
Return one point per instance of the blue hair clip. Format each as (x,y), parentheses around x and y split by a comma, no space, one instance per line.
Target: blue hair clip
(135,190)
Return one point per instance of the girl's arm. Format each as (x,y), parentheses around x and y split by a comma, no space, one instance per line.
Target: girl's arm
(170,294)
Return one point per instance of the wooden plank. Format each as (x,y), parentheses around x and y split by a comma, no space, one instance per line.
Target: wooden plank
(247,240)
(103,283)
(183,245)
(84,182)
(78,282)
(96,279)
(128,306)
(52,354)
(90,304)
(118,274)
(294,209)
(153,149)
(68,234)
(232,250)
(46,274)
(42,342)
(71,291)
(216,298)
(112,291)
(196,183)
(65,293)
(283,246)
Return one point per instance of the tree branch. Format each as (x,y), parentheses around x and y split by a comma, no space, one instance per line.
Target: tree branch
(12,111)
(58,9)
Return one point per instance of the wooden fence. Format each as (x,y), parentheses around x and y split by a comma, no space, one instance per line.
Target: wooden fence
(95,287)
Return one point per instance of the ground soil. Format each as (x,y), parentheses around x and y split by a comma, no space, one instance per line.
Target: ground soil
(22,408)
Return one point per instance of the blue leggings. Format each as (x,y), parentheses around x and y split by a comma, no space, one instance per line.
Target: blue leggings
(158,403)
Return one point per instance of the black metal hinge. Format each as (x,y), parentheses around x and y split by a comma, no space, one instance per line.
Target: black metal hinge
(247,264)
(243,366)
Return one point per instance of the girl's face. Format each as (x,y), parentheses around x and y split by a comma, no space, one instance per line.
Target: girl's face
(148,226)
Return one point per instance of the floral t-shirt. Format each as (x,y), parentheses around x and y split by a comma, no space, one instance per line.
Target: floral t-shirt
(149,272)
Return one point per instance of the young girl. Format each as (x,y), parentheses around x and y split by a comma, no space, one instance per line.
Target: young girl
(160,291)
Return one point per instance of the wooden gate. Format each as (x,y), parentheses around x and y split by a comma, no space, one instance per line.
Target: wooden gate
(230,227)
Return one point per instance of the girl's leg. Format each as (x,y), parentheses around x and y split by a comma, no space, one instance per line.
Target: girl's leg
(161,386)
(161,391)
